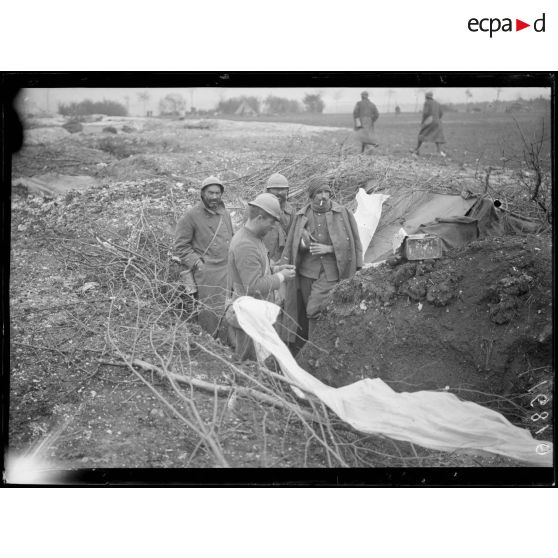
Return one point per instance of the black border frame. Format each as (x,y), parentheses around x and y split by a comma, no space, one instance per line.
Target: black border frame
(11,82)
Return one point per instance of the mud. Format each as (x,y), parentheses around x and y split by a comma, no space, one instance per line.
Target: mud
(477,322)
(62,289)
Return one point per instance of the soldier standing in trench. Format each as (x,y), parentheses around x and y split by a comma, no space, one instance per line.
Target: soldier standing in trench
(275,239)
(202,240)
(324,245)
(249,268)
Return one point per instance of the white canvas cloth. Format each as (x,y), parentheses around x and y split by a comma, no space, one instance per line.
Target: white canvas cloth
(435,420)
(367,215)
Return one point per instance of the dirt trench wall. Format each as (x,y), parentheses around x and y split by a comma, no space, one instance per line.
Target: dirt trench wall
(474,320)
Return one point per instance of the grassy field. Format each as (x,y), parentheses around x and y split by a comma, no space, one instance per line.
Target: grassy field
(472,138)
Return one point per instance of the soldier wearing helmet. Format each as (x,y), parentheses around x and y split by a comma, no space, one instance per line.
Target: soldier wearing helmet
(431,129)
(250,271)
(365,115)
(275,239)
(202,238)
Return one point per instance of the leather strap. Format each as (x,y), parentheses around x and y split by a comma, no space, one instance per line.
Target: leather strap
(214,237)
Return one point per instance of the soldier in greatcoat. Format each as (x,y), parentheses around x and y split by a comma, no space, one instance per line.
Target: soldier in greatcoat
(365,115)
(431,129)
(275,239)
(249,268)
(202,238)
(325,247)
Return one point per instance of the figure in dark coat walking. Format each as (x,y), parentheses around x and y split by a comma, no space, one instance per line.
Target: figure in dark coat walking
(431,125)
(365,114)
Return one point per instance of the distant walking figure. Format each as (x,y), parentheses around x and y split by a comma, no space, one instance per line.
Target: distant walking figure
(365,114)
(431,125)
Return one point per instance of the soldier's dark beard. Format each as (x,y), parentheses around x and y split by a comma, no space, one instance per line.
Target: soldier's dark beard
(213,205)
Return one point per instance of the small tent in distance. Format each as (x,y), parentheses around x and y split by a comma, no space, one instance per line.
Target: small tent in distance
(244,109)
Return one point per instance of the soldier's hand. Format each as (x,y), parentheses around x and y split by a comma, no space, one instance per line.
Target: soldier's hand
(318,249)
(282,267)
(289,273)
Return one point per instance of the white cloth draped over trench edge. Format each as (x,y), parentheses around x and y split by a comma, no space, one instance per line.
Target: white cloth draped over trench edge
(367,215)
(435,420)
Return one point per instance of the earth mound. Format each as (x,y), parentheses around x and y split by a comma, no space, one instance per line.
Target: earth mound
(477,322)
(39,136)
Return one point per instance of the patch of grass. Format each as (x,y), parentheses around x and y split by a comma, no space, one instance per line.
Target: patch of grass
(472,138)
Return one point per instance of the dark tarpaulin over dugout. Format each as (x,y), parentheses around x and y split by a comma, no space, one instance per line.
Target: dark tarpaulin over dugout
(483,220)
(455,219)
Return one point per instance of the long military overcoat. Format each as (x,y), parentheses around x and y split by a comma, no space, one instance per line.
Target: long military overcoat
(343,231)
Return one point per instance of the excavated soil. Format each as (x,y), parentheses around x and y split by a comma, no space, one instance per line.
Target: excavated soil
(477,322)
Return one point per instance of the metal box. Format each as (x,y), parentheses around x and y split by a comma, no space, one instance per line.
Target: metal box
(422,247)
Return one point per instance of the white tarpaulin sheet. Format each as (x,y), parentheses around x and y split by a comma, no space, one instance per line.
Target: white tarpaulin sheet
(435,420)
(367,215)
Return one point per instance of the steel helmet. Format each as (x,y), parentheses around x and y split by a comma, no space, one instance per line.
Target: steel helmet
(364,94)
(277,181)
(212,181)
(269,203)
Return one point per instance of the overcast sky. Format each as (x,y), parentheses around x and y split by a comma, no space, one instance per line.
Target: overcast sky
(336,99)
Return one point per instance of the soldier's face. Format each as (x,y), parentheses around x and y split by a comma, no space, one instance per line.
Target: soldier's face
(212,196)
(321,196)
(280,193)
(265,224)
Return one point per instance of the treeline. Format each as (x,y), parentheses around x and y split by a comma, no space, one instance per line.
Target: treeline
(272,104)
(517,105)
(280,105)
(110,108)
(175,105)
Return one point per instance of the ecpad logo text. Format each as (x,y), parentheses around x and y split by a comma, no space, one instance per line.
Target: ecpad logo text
(493,25)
